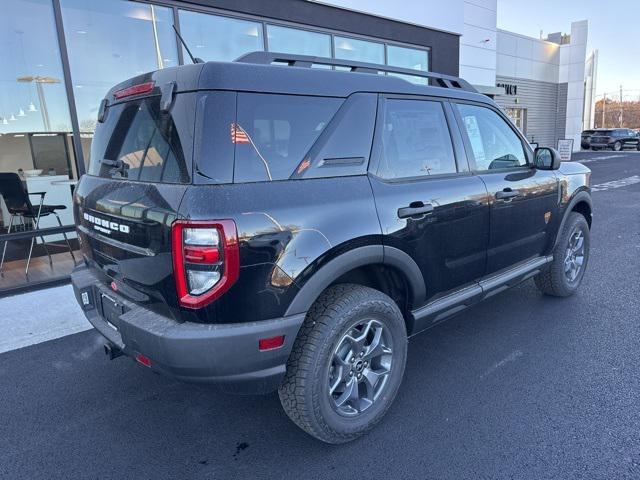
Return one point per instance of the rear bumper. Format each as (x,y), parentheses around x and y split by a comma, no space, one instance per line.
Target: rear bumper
(226,354)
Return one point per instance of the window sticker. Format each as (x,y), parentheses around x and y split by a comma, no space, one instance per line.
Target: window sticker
(475,137)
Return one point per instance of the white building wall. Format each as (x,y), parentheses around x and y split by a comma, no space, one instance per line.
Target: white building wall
(523,57)
(590,76)
(520,56)
(479,42)
(572,66)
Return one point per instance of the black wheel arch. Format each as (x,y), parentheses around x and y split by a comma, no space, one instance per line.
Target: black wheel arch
(580,202)
(352,260)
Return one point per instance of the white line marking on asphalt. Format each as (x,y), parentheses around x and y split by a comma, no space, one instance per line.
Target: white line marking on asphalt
(623,182)
(512,357)
(595,158)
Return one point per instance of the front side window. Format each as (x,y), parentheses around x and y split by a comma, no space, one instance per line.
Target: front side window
(415,140)
(274,132)
(493,143)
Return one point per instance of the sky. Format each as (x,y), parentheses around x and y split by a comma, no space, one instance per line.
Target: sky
(614,30)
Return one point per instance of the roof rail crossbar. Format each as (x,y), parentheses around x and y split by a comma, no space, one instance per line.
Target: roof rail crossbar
(306,61)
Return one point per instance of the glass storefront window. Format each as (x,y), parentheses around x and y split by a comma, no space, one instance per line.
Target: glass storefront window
(217,38)
(298,42)
(32,92)
(36,150)
(108,42)
(359,50)
(409,58)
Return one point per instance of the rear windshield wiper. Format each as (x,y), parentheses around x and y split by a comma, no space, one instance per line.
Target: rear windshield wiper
(118,166)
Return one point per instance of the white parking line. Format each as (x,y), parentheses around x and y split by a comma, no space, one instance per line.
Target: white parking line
(595,157)
(623,182)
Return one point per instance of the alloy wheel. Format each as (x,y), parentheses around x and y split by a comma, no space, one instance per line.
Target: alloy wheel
(574,256)
(360,367)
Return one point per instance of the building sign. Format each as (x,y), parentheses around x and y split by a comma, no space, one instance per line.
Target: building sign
(565,148)
(509,88)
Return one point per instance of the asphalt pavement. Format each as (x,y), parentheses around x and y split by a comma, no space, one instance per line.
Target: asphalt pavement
(522,386)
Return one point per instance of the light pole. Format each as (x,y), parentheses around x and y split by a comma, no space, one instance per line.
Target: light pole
(43,104)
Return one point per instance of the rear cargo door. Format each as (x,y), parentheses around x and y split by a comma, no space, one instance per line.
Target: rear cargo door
(140,166)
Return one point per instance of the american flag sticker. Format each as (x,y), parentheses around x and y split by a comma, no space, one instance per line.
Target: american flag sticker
(238,135)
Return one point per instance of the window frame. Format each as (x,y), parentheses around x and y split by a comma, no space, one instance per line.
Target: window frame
(460,159)
(528,151)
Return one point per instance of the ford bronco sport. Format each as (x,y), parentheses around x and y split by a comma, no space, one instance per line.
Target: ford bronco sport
(265,225)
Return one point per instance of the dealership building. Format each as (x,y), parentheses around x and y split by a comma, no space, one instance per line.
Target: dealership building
(59,58)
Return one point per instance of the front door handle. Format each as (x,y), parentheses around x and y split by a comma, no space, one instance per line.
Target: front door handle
(507,193)
(415,209)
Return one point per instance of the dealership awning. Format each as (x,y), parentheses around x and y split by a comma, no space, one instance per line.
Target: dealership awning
(489,90)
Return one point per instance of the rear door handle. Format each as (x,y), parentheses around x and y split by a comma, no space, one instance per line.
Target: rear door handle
(507,193)
(415,209)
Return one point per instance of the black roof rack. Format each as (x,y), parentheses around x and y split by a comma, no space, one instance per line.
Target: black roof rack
(436,79)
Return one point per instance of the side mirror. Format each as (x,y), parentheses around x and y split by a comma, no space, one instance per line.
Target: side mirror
(547,158)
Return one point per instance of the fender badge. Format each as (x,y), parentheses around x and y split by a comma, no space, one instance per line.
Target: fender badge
(547,217)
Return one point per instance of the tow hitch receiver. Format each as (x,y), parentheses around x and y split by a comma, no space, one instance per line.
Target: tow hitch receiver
(112,351)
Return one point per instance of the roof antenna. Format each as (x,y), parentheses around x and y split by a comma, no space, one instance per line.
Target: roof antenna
(193,59)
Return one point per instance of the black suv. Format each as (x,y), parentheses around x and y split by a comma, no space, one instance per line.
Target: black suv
(266,225)
(585,139)
(615,139)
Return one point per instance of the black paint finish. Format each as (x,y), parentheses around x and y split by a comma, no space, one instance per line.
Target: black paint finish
(449,238)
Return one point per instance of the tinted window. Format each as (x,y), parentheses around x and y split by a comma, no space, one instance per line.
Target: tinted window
(213,150)
(493,141)
(274,132)
(344,146)
(138,142)
(415,140)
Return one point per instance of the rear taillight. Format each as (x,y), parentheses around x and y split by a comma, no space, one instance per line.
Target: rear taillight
(206,260)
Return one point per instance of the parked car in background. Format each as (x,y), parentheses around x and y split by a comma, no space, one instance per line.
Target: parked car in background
(614,138)
(585,141)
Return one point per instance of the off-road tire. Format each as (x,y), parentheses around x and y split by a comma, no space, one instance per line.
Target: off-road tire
(304,390)
(552,280)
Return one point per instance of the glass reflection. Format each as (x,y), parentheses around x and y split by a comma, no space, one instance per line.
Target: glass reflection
(216,38)
(35,143)
(108,42)
(409,58)
(32,93)
(359,50)
(298,42)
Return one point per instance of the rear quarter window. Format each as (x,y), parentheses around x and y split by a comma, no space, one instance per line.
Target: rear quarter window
(273,133)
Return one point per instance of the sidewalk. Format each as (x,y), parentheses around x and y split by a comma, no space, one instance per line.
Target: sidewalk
(39,316)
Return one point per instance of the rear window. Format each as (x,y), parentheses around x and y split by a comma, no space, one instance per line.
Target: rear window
(138,142)
(273,133)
